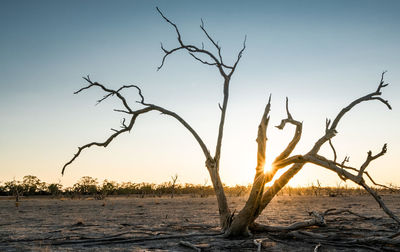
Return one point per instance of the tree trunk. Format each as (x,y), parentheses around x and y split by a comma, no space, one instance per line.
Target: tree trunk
(225,217)
(240,223)
(257,202)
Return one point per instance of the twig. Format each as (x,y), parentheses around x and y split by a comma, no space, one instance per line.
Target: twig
(334,211)
(258,243)
(317,247)
(189,245)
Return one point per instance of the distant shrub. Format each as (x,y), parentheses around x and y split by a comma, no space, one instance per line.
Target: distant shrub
(31,185)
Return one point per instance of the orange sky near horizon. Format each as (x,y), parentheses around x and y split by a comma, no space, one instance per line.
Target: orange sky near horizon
(322,55)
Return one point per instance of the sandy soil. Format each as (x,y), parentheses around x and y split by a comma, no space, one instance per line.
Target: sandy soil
(165,224)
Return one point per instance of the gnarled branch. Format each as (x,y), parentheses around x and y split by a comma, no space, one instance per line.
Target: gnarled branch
(331,131)
(214,60)
(262,138)
(109,139)
(193,50)
(323,162)
(370,157)
(252,203)
(280,160)
(110,92)
(135,114)
(312,156)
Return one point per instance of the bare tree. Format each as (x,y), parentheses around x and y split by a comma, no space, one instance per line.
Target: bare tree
(239,224)
(173,184)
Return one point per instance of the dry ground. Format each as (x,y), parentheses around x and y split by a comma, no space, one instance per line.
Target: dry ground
(165,224)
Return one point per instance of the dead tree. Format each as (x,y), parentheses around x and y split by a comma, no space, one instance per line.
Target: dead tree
(239,224)
(173,184)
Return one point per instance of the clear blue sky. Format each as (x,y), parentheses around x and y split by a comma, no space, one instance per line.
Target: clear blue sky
(321,54)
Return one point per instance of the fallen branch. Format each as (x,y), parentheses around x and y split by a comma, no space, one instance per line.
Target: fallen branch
(317,247)
(371,243)
(119,240)
(318,220)
(189,245)
(334,211)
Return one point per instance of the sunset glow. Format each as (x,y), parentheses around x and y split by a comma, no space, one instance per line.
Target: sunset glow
(322,56)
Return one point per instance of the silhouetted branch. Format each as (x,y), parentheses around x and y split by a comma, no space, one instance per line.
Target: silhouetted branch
(382,83)
(127,127)
(331,131)
(109,92)
(109,139)
(208,58)
(239,56)
(193,50)
(122,111)
(203,61)
(215,44)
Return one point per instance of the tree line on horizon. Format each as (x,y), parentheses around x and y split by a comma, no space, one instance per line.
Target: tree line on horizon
(88,186)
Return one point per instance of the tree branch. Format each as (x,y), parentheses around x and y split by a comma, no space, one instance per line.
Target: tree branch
(109,139)
(380,202)
(109,92)
(214,61)
(377,184)
(215,44)
(190,48)
(135,114)
(312,156)
(331,131)
(327,123)
(239,56)
(262,138)
(296,138)
(222,122)
(277,186)
(323,162)
(370,158)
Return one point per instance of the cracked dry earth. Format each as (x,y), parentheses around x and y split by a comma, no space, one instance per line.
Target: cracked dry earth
(165,224)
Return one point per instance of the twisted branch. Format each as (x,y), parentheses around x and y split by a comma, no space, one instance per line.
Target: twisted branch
(280,161)
(193,50)
(370,157)
(331,131)
(135,114)
(312,156)
(110,92)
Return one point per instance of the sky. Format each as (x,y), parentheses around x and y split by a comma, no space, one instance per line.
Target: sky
(320,54)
